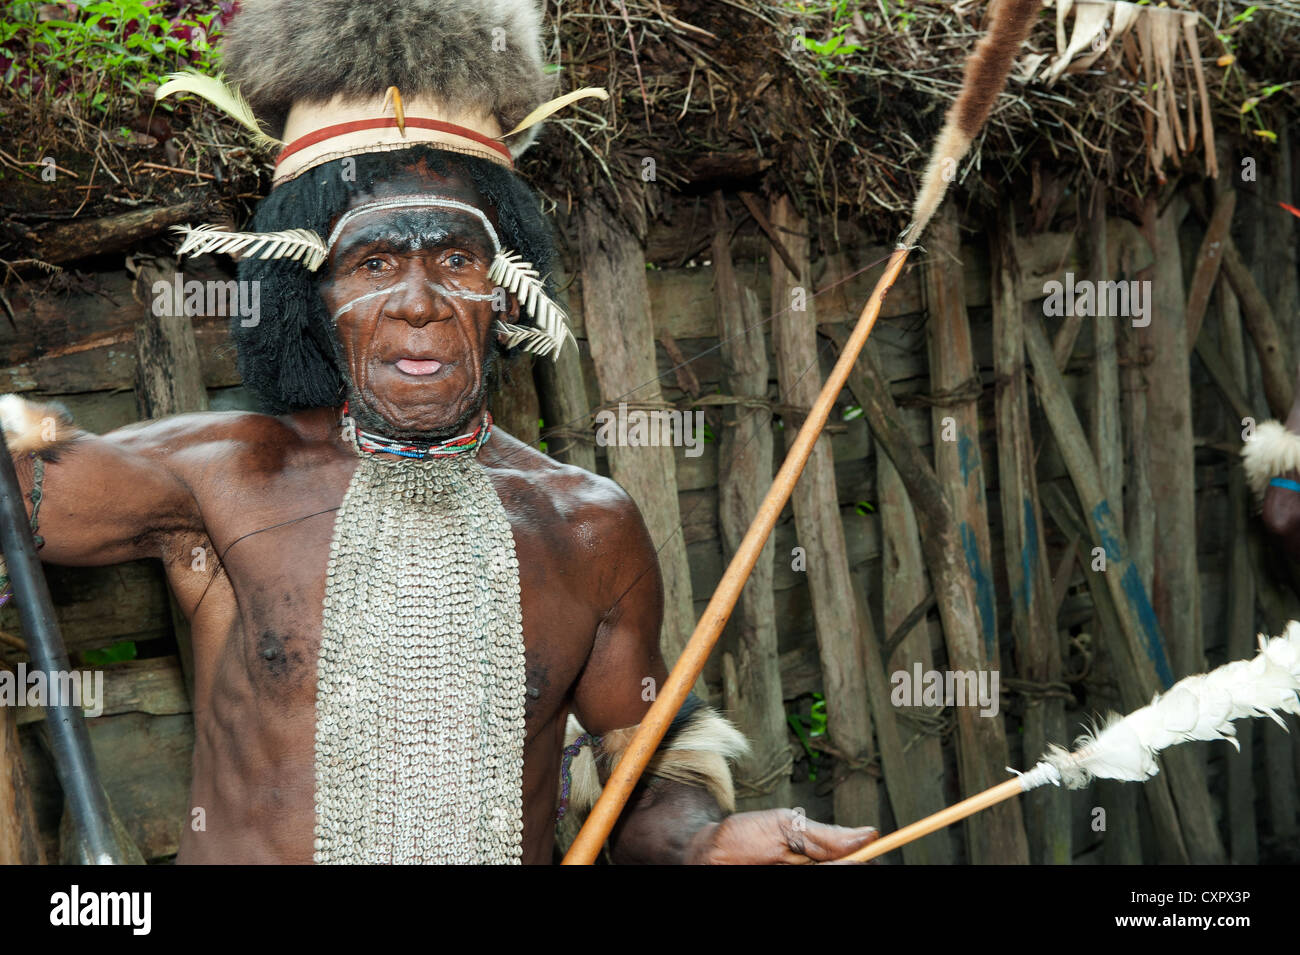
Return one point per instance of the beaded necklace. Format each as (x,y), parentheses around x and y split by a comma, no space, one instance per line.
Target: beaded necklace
(378,444)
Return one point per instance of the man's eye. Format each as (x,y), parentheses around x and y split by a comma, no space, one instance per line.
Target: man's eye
(373,264)
(457,261)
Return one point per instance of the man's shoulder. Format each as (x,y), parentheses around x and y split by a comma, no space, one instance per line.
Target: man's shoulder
(241,438)
(571,494)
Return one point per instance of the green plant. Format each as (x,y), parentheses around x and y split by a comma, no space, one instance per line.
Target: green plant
(125,650)
(809,728)
(108,56)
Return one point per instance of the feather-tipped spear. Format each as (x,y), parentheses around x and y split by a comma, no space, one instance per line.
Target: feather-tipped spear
(1200,707)
(985,74)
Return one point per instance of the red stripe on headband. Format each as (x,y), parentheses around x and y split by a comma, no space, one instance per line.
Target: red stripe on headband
(341,129)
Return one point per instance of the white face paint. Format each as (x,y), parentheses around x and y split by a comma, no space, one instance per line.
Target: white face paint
(401,286)
(460,293)
(413,202)
(347,306)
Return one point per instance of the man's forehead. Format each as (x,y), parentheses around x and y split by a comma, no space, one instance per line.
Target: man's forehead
(417,197)
(414,180)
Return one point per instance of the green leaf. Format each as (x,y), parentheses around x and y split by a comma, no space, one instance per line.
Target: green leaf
(114,654)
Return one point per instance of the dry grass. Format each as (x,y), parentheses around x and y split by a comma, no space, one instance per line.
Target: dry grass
(847,131)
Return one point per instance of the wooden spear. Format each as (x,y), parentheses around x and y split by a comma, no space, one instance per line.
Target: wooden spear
(691,662)
(985,73)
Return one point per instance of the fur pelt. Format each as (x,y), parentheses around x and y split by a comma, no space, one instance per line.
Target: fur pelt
(31,427)
(1272,451)
(697,754)
(279,51)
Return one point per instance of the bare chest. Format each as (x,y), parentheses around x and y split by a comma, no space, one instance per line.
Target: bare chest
(258,628)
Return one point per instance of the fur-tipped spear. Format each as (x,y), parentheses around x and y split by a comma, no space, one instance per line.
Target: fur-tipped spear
(985,74)
(74,762)
(1196,707)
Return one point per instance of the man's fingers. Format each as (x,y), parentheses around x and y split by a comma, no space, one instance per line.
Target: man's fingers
(822,843)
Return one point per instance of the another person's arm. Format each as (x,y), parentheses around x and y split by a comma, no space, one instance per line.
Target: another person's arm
(1271,458)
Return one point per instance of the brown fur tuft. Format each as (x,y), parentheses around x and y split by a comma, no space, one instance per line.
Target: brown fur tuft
(987,68)
(985,75)
(697,756)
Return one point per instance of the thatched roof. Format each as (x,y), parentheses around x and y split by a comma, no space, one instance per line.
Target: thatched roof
(837,101)
(834,102)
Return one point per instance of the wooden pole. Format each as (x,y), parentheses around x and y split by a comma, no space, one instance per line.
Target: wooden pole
(691,662)
(1177,590)
(1273,349)
(841,628)
(1143,639)
(616,308)
(562,395)
(957,459)
(1243,829)
(744,470)
(1121,844)
(998,836)
(1038,657)
(905,587)
(20,841)
(1170,844)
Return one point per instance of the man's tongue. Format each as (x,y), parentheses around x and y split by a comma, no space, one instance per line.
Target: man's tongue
(415,366)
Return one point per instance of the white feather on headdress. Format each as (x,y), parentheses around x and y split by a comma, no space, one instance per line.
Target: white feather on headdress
(223,96)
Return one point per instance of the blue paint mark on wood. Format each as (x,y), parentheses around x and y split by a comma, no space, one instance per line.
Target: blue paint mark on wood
(1150,635)
(983,591)
(1029,555)
(968,453)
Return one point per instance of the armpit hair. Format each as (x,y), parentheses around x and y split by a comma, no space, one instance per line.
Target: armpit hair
(279,51)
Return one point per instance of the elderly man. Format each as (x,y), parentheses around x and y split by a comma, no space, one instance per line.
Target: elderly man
(402,604)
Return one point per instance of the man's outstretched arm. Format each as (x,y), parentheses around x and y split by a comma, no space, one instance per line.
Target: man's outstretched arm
(103,499)
(682,811)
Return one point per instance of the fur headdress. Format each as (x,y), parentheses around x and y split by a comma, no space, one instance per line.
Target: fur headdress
(328,79)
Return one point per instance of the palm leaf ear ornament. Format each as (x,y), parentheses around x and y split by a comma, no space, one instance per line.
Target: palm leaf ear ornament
(518,277)
(301,245)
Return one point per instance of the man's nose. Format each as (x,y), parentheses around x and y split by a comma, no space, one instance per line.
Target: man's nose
(418,301)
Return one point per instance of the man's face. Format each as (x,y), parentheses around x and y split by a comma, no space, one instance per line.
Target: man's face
(408,291)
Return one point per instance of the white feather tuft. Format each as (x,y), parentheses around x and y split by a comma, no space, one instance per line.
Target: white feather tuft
(1200,707)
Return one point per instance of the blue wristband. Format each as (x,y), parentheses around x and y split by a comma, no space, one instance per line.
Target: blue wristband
(1286,483)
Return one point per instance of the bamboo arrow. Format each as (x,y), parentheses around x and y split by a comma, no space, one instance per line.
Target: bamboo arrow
(985,74)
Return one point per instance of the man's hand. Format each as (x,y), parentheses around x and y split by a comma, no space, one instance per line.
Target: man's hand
(774,837)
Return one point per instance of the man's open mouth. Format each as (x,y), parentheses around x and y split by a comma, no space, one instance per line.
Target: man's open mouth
(418,366)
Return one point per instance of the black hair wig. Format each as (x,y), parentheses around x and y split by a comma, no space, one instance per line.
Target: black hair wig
(290,360)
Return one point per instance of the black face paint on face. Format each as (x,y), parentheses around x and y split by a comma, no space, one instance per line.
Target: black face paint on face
(412,307)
